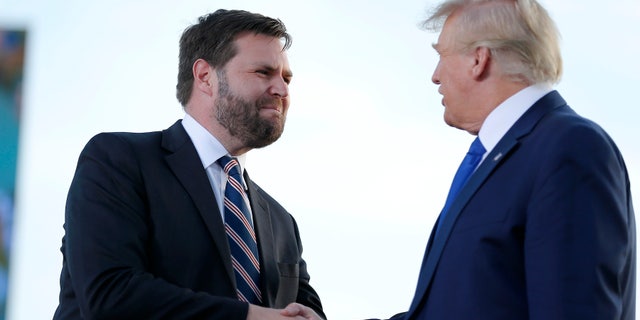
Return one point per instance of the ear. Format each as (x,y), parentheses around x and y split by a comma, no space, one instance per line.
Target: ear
(203,77)
(482,58)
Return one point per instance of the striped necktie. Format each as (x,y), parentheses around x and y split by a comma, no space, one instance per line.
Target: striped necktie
(240,233)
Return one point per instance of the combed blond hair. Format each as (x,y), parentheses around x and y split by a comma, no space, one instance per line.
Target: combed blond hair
(522,37)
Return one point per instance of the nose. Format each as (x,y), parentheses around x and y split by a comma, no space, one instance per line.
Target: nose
(279,87)
(435,77)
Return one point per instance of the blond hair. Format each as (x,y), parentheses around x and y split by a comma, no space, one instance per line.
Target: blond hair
(522,37)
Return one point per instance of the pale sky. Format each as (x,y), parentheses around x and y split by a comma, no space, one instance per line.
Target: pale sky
(365,162)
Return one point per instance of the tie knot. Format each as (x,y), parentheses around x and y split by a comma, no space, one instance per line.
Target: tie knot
(477,148)
(229,165)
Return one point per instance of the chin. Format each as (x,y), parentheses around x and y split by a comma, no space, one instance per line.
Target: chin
(452,124)
(447,120)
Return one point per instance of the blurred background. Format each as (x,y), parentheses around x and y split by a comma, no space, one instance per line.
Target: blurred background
(363,106)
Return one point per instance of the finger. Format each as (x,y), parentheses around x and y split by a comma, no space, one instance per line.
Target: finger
(292,309)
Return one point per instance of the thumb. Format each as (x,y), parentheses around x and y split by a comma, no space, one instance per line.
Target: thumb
(293,309)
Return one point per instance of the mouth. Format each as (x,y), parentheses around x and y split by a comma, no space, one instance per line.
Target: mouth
(272,108)
(442,100)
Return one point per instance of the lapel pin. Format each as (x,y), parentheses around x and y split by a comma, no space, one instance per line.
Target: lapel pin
(497,157)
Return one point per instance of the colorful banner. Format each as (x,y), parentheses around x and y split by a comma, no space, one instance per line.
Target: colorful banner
(12,48)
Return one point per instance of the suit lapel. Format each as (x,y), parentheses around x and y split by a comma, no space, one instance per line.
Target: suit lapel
(185,164)
(264,235)
(505,146)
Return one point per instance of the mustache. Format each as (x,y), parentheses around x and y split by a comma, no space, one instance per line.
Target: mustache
(269,101)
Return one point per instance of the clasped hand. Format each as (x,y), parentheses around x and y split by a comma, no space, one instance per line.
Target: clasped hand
(292,311)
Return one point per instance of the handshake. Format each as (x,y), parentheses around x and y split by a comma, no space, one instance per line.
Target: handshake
(292,311)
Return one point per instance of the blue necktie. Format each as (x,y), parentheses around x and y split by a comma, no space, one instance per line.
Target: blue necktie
(242,238)
(467,167)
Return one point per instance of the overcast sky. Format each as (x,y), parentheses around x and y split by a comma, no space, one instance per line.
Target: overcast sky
(365,161)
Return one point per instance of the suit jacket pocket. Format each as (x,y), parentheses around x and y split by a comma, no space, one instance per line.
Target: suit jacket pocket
(288,270)
(288,285)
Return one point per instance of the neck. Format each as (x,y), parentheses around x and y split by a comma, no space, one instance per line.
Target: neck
(233,145)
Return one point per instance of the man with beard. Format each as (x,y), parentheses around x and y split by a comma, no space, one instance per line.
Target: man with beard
(167,225)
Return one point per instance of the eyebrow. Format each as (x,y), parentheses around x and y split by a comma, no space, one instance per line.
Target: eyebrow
(285,73)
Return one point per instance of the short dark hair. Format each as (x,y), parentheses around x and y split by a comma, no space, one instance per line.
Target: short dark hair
(212,39)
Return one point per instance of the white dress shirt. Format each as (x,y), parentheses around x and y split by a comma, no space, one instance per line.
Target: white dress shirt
(210,150)
(502,118)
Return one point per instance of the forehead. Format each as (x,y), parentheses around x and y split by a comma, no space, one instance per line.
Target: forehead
(260,49)
(447,38)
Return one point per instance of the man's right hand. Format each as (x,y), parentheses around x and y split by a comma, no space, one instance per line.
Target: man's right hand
(262,313)
(298,310)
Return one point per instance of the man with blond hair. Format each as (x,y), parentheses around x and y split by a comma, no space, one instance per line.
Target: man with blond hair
(540,225)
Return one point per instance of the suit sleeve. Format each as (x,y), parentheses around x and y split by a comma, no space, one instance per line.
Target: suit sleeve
(306,294)
(106,232)
(580,234)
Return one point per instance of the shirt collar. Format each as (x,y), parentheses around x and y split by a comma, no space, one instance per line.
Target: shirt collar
(503,117)
(208,147)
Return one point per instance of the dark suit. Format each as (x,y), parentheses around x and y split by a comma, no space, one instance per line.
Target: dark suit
(145,239)
(544,229)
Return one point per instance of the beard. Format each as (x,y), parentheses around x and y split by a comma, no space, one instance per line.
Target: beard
(242,118)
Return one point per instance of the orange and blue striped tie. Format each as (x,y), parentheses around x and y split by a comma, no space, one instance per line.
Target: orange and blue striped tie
(241,235)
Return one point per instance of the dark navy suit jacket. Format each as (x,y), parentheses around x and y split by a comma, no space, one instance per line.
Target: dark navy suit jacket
(144,238)
(544,229)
